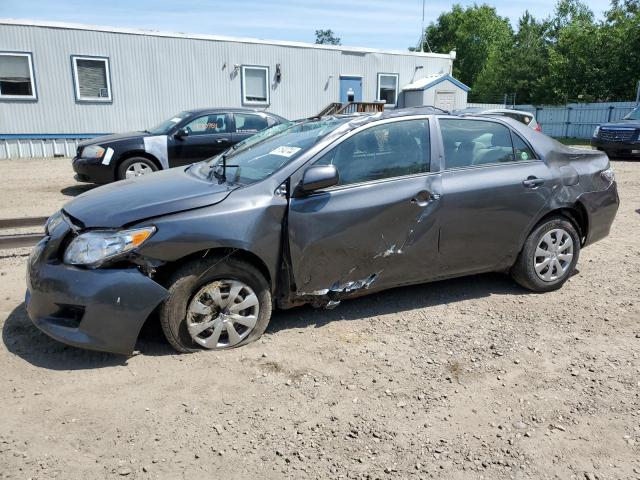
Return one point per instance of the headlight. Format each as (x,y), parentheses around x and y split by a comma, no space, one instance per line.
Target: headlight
(93,151)
(608,174)
(53,221)
(92,249)
(596,131)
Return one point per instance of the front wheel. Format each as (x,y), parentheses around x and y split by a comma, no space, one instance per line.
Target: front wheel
(548,257)
(135,167)
(215,304)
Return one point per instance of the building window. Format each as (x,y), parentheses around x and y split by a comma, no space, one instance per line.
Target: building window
(91,79)
(255,85)
(388,88)
(16,76)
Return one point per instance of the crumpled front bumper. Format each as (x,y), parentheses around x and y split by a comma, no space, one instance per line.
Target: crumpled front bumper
(102,309)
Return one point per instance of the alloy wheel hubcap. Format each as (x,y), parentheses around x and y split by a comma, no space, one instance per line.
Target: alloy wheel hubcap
(137,169)
(222,314)
(553,255)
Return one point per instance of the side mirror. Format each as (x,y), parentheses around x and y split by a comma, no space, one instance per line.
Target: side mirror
(181,133)
(319,177)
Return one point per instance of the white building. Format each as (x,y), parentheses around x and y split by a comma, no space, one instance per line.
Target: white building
(63,82)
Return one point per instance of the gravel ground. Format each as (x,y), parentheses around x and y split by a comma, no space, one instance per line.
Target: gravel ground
(469,378)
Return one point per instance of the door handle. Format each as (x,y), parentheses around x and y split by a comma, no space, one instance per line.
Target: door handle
(424,197)
(532,182)
(220,140)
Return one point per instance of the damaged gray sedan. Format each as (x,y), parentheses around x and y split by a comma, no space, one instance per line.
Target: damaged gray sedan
(315,211)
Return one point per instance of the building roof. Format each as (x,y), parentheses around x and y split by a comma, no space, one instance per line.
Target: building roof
(433,80)
(217,38)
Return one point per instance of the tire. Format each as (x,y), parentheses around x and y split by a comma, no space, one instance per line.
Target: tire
(524,270)
(147,165)
(191,282)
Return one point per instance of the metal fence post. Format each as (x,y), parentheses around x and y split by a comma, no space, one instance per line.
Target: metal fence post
(567,122)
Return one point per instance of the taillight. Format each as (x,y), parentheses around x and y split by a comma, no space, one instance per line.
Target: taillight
(538,128)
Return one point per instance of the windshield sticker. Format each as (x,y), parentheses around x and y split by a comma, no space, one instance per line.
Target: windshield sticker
(524,156)
(175,119)
(285,151)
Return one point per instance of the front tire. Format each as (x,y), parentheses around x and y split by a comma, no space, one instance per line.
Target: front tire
(135,167)
(548,257)
(215,304)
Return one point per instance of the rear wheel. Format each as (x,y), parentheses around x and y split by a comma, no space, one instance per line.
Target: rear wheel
(216,304)
(548,257)
(135,167)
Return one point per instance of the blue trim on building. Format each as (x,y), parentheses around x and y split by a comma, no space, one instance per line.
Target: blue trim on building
(48,136)
(456,82)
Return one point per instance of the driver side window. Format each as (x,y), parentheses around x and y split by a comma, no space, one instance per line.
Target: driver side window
(208,125)
(389,150)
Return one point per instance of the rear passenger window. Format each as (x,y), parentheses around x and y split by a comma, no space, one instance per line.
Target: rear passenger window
(248,123)
(389,150)
(476,142)
(521,149)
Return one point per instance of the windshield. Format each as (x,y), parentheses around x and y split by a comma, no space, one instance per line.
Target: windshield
(167,125)
(633,114)
(263,135)
(257,160)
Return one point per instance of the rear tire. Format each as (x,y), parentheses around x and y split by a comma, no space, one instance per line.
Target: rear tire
(135,167)
(549,256)
(189,287)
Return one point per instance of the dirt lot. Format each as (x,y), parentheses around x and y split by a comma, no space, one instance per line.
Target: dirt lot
(471,378)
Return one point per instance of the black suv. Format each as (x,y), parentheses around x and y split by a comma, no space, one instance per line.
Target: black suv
(185,138)
(621,138)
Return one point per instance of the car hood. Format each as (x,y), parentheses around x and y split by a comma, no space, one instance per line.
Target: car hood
(127,201)
(622,123)
(104,139)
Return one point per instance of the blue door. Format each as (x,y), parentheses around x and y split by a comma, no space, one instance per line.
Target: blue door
(350,89)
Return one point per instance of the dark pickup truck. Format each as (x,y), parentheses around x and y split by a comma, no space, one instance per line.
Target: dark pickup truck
(620,138)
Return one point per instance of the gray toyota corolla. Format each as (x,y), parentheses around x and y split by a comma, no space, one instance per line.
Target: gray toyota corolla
(315,211)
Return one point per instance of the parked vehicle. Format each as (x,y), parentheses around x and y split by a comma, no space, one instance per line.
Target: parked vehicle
(186,138)
(522,116)
(316,212)
(621,138)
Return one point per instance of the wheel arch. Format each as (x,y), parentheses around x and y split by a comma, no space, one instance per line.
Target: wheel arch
(165,271)
(575,213)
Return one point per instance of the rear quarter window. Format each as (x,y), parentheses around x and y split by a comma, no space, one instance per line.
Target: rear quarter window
(470,143)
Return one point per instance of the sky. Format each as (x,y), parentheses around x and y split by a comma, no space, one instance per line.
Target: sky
(387,24)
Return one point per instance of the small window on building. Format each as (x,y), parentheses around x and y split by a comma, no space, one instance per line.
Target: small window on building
(16,76)
(91,79)
(255,85)
(388,88)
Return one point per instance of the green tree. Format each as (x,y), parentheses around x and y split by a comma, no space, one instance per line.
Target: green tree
(327,37)
(473,32)
(576,56)
(518,66)
(621,37)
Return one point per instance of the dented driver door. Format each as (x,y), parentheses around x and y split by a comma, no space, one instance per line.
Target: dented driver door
(369,234)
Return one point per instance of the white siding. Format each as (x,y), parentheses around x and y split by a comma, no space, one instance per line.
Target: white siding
(153,77)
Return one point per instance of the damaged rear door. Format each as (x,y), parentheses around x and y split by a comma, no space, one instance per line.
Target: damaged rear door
(379,226)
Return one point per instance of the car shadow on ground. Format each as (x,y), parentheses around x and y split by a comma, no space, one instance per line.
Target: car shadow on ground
(23,339)
(398,300)
(75,190)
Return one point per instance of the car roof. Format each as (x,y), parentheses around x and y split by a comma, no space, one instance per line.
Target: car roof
(199,111)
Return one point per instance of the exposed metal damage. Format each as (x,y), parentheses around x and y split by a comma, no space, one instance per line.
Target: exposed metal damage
(330,297)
